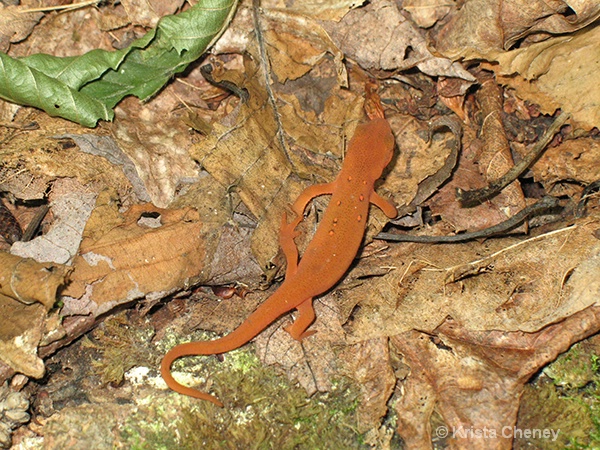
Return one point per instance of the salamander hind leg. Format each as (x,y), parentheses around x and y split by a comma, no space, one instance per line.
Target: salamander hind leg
(306,316)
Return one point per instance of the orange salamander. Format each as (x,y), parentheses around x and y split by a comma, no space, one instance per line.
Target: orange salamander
(329,254)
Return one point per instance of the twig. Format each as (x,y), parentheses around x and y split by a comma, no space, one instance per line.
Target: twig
(264,63)
(474,197)
(60,7)
(544,204)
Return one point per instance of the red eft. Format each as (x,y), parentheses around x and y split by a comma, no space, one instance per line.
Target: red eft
(329,254)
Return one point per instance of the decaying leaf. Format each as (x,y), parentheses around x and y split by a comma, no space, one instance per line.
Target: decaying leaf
(71,205)
(320,9)
(27,281)
(309,362)
(293,52)
(571,160)
(149,12)
(546,72)
(426,13)
(489,314)
(368,363)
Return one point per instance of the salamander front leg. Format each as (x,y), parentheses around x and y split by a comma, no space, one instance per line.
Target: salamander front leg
(307,195)
(306,316)
(384,204)
(290,250)
(287,231)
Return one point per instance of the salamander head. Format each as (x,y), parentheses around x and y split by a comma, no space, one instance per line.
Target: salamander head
(371,148)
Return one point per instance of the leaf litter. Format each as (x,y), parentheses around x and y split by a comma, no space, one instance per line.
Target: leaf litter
(428,333)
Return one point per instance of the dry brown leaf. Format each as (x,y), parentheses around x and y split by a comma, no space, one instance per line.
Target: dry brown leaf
(466,176)
(425,13)
(240,153)
(570,160)
(311,362)
(361,32)
(476,378)
(320,9)
(20,335)
(158,147)
(122,259)
(297,44)
(495,158)
(368,363)
(285,33)
(557,73)
(245,152)
(523,285)
(57,35)
(16,25)
(148,12)
(482,28)
(71,204)
(416,159)
(28,281)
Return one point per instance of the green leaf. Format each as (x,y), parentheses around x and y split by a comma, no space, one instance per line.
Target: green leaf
(86,88)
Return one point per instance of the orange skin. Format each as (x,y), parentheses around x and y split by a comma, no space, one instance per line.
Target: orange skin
(328,256)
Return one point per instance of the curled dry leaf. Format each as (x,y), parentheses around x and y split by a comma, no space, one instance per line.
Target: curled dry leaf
(28,290)
(495,158)
(297,44)
(27,281)
(559,72)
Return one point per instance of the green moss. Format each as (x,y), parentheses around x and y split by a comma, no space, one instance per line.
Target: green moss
(121,347)
(566,398)
(263,410)
(575,368)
